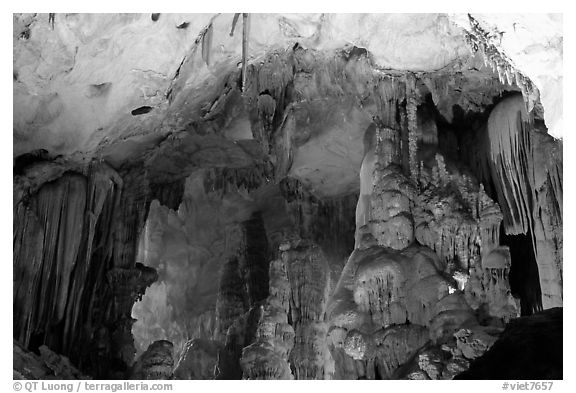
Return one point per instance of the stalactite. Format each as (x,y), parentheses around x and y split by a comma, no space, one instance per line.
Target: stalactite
(77,217)
(487,43)
(411,108)
(426,269)
(168,194)
(52,221)
(328,221)
(529,188)
(234,21)
(273,75)
(265,92)
(103,197)
(388,92)
(245,35)
(133,209)
(207,44)
(242,180)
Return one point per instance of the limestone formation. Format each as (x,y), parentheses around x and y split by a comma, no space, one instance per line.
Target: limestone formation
(156,362)
(308,275)
(198,361)
(267,357)
(295,197)
(48,365)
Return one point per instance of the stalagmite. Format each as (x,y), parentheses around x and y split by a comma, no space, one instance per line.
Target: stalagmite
(308,274)
(267,357)
(232,299)
(156,363)
(321,196)
(390,221)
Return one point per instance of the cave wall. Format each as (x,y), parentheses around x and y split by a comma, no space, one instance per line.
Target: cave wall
(284,305)
(429,243)
(212,253)
(307,222)
(527,164)
(521,166)
(188,247)
(75,277)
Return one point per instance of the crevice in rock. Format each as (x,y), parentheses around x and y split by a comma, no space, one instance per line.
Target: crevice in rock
(524,280)
(141,110)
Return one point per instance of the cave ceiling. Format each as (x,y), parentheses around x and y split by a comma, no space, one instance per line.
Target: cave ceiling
(287,196)
(167,93)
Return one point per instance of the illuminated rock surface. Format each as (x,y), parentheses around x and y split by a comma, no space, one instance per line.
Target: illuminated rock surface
(366,196)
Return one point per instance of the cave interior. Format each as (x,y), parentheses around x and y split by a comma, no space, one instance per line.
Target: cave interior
(265,196)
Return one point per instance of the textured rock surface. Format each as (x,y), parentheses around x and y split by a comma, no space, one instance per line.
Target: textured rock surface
(198,361)
(535,341)
(270,196)
(81,264)
(90,62)
(188,248)
(519,165)
(534,201)
(267,357)
(309,284)
(156,362)
(538,59)
(49,365)
(451,358)
(93,63)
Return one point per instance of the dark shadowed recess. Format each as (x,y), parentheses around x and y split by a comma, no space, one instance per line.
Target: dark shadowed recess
(524,279)
(530,348)
(464,141)
(27,159)
(257,261)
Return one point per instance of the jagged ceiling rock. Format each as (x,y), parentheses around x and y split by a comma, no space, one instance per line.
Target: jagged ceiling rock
(534,43)
(78,79)
(125,88)
(433,40)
